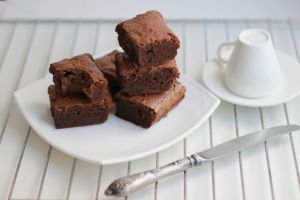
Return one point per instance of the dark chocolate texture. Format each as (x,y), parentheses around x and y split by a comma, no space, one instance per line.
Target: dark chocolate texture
(107,65)
(76,110)
(147,39)
(146,80)
(146,110)
(79,75)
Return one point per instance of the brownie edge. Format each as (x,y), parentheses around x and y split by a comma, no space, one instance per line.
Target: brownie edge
(146,110)
(147,39)
(146,80)
(75,110)
(107,65)
(79,75)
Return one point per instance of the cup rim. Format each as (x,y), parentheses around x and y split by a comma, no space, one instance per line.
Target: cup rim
(241,39)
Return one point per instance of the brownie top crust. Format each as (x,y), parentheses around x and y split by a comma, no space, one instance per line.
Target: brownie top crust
(107,63)
(158,102)
(59,102)
(126,68)
(83,63)
(147,28)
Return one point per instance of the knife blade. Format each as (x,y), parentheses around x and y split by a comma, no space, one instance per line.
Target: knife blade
(126,185)
(245,141)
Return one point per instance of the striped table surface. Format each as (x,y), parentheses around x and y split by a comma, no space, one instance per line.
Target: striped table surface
(31,169)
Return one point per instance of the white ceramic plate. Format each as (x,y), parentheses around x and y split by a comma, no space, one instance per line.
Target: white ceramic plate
(290,88)
(116,140)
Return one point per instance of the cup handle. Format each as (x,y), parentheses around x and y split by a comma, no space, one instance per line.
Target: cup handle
(220,51)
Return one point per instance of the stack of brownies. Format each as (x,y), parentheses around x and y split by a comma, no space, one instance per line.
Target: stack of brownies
(80,94)
(143,80)
(146,73)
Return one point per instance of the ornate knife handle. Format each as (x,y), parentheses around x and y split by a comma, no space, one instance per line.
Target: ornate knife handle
(128,184)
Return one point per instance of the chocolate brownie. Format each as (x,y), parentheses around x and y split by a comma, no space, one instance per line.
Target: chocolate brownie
(76,110)
(146,80)
(147,39)
(107,65)
(146,110)
(79,75)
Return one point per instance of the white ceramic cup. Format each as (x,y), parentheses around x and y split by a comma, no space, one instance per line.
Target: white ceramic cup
(253,69)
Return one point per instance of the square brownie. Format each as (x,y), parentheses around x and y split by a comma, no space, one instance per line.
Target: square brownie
(107,65)
(146,80)
(146,110)
(76,110)
(79,75)
(147,39)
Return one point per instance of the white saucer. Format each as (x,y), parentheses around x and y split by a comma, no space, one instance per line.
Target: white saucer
(116,140)
(290,88)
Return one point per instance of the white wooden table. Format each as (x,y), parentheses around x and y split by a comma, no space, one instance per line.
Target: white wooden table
(31,169)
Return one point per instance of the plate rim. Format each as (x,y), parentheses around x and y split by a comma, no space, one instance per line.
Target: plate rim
(243,103)
(136,156)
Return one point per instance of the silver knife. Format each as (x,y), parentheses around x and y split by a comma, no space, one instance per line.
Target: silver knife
(126,185)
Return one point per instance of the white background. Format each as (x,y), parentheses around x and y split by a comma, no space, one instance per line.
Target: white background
(175,9)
